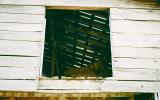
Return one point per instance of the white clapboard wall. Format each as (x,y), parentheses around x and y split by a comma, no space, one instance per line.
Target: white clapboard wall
(21,38)
(135,39)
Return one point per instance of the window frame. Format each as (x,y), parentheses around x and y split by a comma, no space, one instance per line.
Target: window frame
(75,8)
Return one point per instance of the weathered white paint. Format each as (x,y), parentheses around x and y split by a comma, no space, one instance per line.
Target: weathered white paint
(21,18)
(18,85)
(87,3)
(130,86)
(104,85)
(23,2)
(135,52)
(18,73)
(20,27)
(136,74)
(17,9)
(17,61)
(42,47)
(135,40)
(70,84)
(20,36)
(135,14)
(158,95)
(104,3)
(101,85)
(136,63)
(118,25)
(24,48)
(135,43)
(135,27)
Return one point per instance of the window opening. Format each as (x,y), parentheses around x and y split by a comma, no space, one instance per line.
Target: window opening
(77,44)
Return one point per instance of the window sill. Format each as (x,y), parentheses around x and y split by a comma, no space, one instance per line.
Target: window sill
(76,78)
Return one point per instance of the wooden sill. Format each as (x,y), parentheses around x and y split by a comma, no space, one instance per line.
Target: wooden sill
(77,78)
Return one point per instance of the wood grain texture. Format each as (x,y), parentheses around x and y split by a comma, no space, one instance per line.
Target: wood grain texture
(135,40)
(87,3)
(135,52)
(70,84)
(27,98)
(127,69)
(135,27)
(131,86)
(21,36)
(15,9)
(61,7)
(136,63)
(135,14)
(18,73)
(20,27)
(21,18)
(135,44)
(23,2)
(104,3)
(105,85)
(65,93)
(42,47)
(21,48)
(101,85)
(158,95)
(18,85)
(15,61)
(136,74)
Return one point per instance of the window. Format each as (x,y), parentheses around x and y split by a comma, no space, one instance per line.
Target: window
(77,44)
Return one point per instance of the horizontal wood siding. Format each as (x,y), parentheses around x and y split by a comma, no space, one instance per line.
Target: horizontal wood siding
(136,52)
(100,85)
(136,74)
(134,38)
(18,85)
(131,86)
(26,62)
(135,43)
(135,14)
(21,18)
(20,48)
(21,37)
(21,27)
(18,73)
(135,27)
(88,3)
(17,9)
(152,63)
